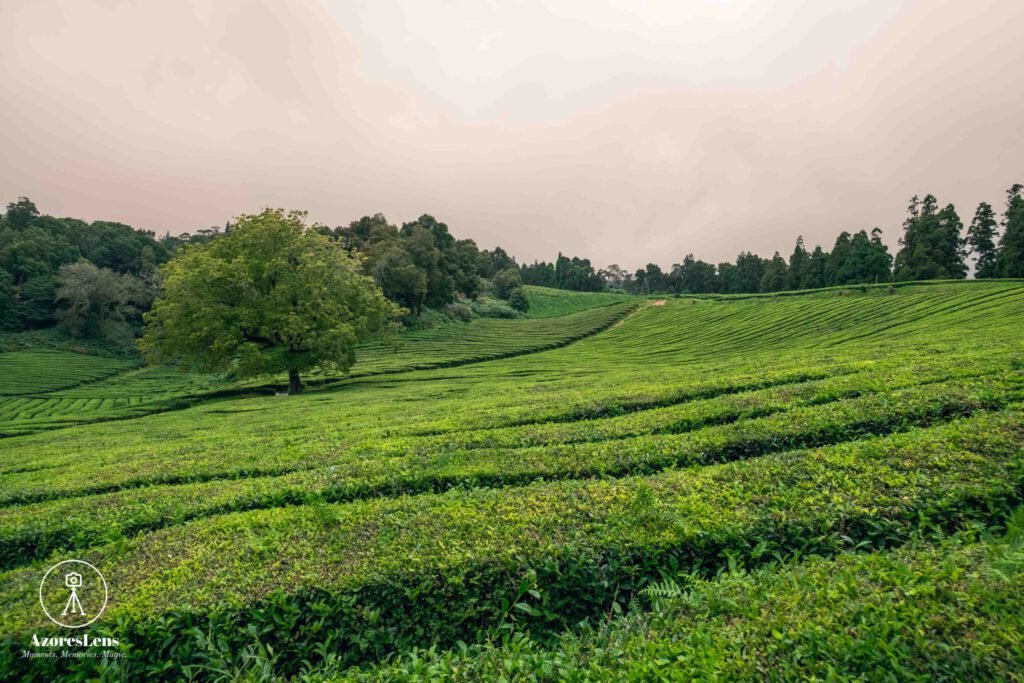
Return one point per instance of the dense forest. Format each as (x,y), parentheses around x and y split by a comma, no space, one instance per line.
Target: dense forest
(96,279)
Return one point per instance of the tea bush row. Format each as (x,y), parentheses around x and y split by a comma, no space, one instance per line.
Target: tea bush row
(950,611)
(363,580)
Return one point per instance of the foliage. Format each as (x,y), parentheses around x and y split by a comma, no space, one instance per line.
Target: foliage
(34,247)
(460,312)
(506,281)
(981,237)
(931,244)
(585,545)
(776,275)
(268,297)
(799,263)
(1011,254)
(884,616)
(859,259)
(488,307)
(99,303)
(8,303)
(421,264)
(573,273)
(693,276)
(518,300)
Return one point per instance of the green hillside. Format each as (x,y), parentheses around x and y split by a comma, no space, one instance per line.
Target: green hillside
(48,389)
(41,371)
(489,338)
(549,303)
(501,481)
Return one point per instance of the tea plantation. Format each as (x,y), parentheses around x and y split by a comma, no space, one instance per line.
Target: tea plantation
(821,486)
(46,389)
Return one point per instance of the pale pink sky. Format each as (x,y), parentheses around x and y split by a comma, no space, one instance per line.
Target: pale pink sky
(622,130)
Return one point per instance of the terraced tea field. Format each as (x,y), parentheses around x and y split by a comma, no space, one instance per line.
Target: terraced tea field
(51,389)
(37,372)
(489,338)
(552,303)
(808,486)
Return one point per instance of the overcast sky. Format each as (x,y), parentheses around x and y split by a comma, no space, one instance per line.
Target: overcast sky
(626,131)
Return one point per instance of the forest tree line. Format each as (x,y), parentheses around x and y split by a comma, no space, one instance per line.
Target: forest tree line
(96,279)
(934,246)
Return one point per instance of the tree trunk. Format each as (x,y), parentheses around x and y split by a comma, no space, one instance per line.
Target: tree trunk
(294,385)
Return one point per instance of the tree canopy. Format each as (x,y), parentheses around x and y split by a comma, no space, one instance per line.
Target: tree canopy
(34,247)
(981,237)
(1011,256)
(420,265)
(100,303)
(269,296)
(932,248)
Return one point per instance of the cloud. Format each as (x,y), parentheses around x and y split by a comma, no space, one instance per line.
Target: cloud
(620,131)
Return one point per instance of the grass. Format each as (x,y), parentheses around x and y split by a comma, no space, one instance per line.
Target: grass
(442,497)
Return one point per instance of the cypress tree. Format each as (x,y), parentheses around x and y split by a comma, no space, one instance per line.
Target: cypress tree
(776,275)
(836,264)
(981,237)
(1011,246)
(798,262)
(814,274)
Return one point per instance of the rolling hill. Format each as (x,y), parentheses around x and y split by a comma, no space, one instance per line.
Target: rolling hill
(664,470)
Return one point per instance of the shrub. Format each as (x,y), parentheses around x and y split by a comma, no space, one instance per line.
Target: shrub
(506,281)
(518,300)
(486,307)
(741,626)
(457,566)
(459,312)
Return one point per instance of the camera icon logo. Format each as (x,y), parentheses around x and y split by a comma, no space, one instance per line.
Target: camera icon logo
(76,601)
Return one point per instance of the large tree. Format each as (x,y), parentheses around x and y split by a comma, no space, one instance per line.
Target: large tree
(1011,246)
(776,274)
(693,276)
(981,237)
(21,213)
(750,269)
(813,275)
(798,262)
(99,303)
(867,260)
(932,248)
(270,296)
(835,267)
